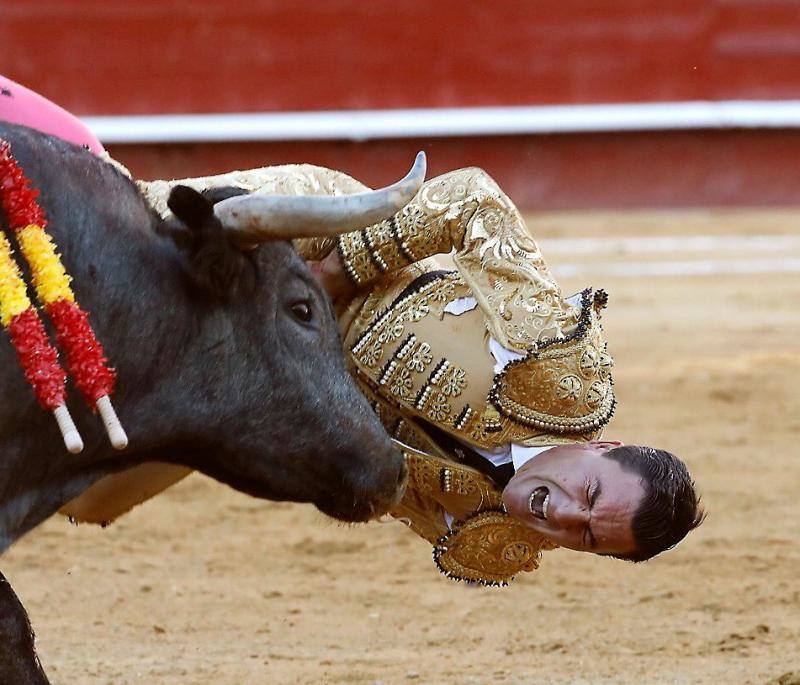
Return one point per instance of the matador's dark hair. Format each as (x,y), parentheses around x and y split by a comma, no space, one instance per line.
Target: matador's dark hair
(670,507)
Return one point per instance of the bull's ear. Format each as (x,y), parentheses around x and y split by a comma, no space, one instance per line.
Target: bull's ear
(220,193)
(191,207)
(217,268)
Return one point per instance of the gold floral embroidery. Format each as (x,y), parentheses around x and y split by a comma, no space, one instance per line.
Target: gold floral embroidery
(563,387)
(418,309)
(478,432)
(605,363)
(402,384)
(439,409)
(494,252)
(489,548)
(458,481)
(453,382)
(444,293)
(596,394)
(420,358)
(570,387)
(590,362)
(393,331)
(372,354)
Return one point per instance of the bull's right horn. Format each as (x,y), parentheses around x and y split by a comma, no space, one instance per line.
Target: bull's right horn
(251,219)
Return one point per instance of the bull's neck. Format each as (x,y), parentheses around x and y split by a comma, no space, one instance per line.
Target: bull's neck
(169,346)
(132,284)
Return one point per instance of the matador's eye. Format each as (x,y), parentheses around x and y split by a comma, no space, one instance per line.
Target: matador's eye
(302,311)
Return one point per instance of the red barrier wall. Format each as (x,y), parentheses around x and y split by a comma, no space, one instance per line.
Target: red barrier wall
(155,56)
(687,169)
(107,56)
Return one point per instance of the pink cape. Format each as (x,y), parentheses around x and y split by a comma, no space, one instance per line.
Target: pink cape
(19,105)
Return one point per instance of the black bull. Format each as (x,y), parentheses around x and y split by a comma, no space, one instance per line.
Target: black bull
(250,388)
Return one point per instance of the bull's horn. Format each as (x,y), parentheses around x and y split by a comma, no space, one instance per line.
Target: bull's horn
(251,219)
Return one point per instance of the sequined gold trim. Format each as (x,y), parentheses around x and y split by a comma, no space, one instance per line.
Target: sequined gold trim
(442,477)
(463,418)
(488,548)
(356,258)
(412,306)
(564,386)
(391,245)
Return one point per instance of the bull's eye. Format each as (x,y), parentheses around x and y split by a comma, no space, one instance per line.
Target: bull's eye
(301,311)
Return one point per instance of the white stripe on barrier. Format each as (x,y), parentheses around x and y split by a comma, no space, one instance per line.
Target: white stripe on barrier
(359,125)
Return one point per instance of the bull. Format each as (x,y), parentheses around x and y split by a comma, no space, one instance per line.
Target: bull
(226,348)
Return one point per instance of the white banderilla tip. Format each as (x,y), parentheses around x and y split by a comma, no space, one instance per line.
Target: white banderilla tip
(72,439)
(116,433)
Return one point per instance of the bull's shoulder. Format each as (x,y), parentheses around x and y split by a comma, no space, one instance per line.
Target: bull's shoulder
(73,182)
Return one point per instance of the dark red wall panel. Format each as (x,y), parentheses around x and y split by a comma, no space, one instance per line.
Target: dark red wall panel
(107,56)
(181,56)
(691,168)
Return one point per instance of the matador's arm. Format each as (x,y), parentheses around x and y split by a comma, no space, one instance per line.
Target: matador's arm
(463,211)
(466,212)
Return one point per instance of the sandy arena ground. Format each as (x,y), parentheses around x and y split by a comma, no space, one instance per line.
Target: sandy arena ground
(204,585)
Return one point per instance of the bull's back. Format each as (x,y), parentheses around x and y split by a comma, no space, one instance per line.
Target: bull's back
(76,186)
(104,232)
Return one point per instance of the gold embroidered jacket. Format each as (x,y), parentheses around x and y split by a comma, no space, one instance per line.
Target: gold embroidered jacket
(419,336)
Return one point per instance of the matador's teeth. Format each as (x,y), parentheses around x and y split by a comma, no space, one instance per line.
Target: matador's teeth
(539,502)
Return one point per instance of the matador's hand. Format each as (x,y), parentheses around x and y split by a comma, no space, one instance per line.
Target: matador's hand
(331,274)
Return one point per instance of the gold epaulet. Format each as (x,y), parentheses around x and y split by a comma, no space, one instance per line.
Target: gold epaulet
(486,546)
(489,548)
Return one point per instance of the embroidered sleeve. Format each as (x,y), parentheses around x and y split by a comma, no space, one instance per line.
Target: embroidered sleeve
(466,212)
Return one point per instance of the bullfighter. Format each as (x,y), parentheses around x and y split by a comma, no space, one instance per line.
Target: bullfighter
(496,384)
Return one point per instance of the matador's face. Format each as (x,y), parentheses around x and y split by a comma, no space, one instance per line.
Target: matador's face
(577,498)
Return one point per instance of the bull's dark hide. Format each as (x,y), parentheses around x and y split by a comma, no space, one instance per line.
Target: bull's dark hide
(227,363)
(18,661)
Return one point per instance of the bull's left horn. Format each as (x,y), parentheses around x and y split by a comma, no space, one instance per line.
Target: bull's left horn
(251,219)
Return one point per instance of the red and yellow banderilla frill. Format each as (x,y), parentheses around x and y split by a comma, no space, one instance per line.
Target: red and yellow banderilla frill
(85,358)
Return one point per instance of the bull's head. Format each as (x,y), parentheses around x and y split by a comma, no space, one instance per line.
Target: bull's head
(323,442)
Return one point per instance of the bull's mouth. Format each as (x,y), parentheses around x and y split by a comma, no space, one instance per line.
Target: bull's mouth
(357,512)
(360,509)
(539,502)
